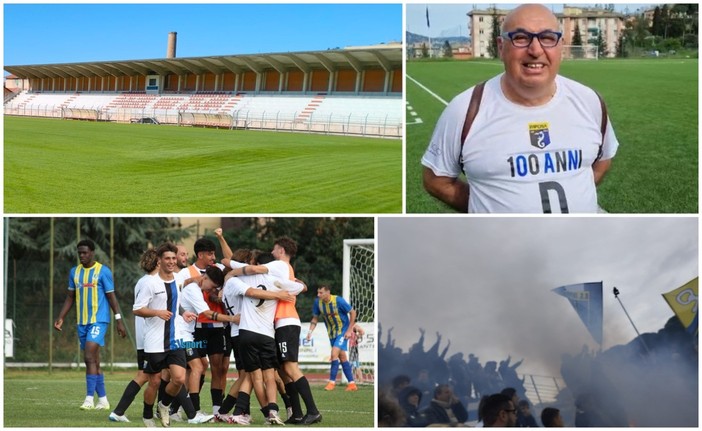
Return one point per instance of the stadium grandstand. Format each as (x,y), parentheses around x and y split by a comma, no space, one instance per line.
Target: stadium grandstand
(355,90)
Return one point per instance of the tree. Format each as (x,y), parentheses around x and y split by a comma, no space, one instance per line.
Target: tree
(448,52)
(665,21)
(494,33)
(577,41)
(577,38)
(657,22)
(621,47)
(671,44)
(601,45)
(637,31)
(425,50)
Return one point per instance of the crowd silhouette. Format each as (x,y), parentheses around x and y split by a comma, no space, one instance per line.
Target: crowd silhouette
(420,378)
(651,381)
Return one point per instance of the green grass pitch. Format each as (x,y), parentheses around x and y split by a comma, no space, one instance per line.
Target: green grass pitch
(653,106)
(37,399)
(60,166)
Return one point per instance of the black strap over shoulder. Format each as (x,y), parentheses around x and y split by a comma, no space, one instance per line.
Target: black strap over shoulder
(603,126)
(473,108)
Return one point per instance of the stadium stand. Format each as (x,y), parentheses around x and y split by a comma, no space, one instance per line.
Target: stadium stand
(348,91)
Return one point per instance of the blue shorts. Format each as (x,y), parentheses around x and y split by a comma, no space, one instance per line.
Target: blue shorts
(94,332)
(340,342)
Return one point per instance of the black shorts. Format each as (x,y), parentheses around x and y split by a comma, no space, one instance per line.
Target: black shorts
(191,353)
(141,360)
(287,340)
(257,351)
(214,341)
(155,362)
(236,348)
(228,340)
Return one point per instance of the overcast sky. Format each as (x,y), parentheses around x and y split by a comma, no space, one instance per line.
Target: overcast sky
(485,283)
(452,19)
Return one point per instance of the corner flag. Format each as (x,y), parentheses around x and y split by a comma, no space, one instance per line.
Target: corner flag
(586,298)
(428,26)
(683,301)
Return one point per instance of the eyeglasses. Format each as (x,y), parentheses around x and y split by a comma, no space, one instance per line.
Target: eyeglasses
(523,38)
(511,411)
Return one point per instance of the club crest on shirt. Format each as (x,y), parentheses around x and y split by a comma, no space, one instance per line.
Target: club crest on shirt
(539,135)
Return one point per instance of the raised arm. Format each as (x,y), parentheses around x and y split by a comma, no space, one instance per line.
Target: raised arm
(226,250)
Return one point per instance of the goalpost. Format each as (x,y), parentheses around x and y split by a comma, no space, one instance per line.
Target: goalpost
(359,290)
(580,52)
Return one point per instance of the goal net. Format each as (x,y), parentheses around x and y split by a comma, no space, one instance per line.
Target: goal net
(580,52)
(359,290)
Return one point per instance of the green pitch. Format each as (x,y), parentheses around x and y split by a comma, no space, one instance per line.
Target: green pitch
(59,166)
(37,399)
(652,105)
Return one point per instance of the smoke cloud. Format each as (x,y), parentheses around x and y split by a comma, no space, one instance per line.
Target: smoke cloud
(485,284)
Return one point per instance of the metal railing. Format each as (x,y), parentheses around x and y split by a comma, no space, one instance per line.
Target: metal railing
(332,123)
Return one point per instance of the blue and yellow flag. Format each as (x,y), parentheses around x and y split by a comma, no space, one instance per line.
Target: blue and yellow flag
(586,298)
(683,301)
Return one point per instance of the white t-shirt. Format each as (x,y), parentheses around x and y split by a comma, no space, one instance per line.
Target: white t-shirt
(138,320)
(232,300)
(190,300)
(278,269)
(521,159)
(160,335)
(256,314)
(189,272)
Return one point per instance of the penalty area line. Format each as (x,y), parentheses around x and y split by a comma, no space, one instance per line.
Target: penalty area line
(436,96)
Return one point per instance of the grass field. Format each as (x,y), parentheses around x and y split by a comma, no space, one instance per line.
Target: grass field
(37,399)
(59,166)
(652,105)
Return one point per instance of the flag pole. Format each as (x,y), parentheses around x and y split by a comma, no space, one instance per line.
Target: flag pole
(616,295)
(428,31)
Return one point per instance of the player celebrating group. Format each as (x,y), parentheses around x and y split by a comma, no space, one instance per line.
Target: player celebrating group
(258,300)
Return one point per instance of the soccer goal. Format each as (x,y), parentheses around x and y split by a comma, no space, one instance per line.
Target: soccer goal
(580,52)
(359,290)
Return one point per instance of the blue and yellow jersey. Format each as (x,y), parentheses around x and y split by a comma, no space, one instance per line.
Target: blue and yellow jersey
(91,286)
(335,314)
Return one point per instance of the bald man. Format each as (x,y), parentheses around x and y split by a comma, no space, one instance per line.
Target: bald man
(533,142)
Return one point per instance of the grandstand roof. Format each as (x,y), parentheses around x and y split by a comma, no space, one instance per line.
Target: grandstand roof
(385,56)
